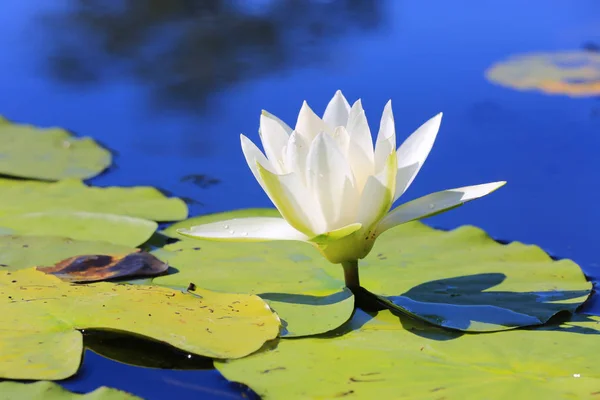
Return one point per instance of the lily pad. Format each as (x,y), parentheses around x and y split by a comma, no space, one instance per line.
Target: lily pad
(571,73)
(101,267)
(461,279)
(41,316)
(18,252)
(19,197)
(117,229)
(307,299)
(48,153)
(391,357)
(53,391)
(304,315)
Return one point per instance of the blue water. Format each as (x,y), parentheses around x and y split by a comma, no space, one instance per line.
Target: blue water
(169,85)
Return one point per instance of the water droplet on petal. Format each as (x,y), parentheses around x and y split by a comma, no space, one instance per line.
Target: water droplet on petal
(431,206)
(244,233)
(226,226)
(232,231)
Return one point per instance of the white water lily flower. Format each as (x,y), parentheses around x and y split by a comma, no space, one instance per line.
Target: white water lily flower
(333,188)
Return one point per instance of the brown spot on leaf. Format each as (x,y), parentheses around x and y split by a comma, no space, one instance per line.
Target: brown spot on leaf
(91,268)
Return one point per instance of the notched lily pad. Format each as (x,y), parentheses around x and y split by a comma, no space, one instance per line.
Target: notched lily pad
(48,153)
(79,225)
(304,315)
(40,319)
(53,391)
(385,356)
(464,280)
(293,281)
(102,267)
(461,279)
(20,196)
(18,252)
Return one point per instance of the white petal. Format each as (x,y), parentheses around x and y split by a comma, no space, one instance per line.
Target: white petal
(274,137)
(415,150)
(360,148)
(327,174)
(336,113)
(246,229)
(253,155)
(342,138)
(309,124)
(435,203)
(376,198)
(296,152)
(293,201)
(386,138)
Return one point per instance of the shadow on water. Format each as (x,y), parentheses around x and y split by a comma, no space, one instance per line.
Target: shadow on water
(185,50)
(141,351)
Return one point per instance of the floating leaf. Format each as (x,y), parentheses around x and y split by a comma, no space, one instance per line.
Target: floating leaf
(387,357)
(305,315)
(91,268)
(297,288)
(40,316)
(118,229)
(573,73)
(18,252)
(48,153)
(19,197)
(53,391)
(461,279)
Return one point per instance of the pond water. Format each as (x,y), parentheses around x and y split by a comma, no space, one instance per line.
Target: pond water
(169,85)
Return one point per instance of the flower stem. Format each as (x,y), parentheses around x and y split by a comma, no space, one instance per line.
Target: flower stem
(351,274)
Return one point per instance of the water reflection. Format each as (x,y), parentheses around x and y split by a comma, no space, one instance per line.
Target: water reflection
(184,50)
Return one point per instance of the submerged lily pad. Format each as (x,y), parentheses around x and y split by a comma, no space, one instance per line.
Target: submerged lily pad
(48,153)
(18,252)
(118,229)
(53,391)
(19,197)
(461,279)
(101,267)
(391,357)
(571,73)
(40,317)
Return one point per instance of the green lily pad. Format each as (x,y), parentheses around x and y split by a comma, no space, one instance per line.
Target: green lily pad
(79,225)
(18,252)
(391,357)
(307,299)
(19,197)
(40,318)
(305,315)
(48,153)
(461,279)
(53,391)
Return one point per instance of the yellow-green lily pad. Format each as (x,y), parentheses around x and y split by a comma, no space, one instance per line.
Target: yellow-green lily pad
(52,391)
(40,319)
(308,299)
(80,225)
(20,196)
(391,357)
(50,154)
(461,279)
(18,252)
